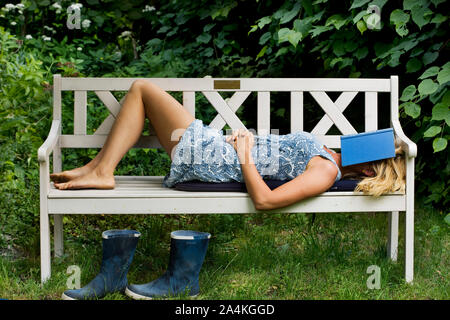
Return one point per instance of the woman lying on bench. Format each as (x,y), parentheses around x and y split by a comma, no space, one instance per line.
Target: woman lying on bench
(199,152)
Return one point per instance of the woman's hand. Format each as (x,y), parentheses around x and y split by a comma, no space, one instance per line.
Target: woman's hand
(242,141)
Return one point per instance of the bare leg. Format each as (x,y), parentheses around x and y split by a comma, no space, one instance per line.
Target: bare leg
(143,99)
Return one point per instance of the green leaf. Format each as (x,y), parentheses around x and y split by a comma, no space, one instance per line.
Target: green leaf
(265,37)
(361,25)
(294,37)
(339,48)
(336,20)
(408,93)
(281,52)
(429,72)
(288,16)
(358,3)
(317,30)
(432,131)
(303,25)
(429,57)
(283,34)
(412,109)
(409,4)
(446,98)
(413,65)
(438,19)
(253,29)
(361,53)
(395,59)
(204,38)
(421,15)
(439,144)
(441,111)
(263,21)
(359,16)
(262,52)
(402,30)
(351,46)
(444,75)
(399,17)
(427,87)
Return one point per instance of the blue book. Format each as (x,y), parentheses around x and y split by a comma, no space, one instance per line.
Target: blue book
(367,146)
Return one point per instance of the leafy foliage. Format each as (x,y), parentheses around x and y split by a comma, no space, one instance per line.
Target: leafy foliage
(229,38)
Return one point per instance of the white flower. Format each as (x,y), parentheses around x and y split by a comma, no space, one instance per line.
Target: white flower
(125,34)
(9,6)
(75,6)
(13,23)
(45,38)
(148,8)
(79,48)
(86,23)
(57,6)
(20,6)
(28,37)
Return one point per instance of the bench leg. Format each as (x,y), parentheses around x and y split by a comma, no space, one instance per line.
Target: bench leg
(58,235)
(392,245)
(409,246)
(45,247)
(409,222)
(44,222)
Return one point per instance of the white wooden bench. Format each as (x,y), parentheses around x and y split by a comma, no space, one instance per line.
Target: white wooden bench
(145,194)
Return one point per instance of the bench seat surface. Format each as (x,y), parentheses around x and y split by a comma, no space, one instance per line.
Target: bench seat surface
(145,194)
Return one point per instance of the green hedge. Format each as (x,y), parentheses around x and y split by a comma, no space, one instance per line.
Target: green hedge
(228,38)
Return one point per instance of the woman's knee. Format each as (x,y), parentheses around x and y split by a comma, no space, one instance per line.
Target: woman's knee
(141,84)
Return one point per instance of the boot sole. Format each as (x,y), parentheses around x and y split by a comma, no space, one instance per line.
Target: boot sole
(65,297)
(137,296)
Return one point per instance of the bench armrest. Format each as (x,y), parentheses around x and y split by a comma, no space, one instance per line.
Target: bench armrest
(406,143)
(47,147)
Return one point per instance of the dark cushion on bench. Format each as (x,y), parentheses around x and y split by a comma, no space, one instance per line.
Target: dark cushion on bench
(341,185)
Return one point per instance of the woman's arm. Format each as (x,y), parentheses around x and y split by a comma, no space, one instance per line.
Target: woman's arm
(317,178)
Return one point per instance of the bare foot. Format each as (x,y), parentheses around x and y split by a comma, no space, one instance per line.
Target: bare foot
(70,174)
(91,180)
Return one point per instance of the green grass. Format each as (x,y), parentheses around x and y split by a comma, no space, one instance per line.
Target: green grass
(265,256)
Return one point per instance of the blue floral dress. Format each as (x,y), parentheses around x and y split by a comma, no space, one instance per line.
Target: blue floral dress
(203,154)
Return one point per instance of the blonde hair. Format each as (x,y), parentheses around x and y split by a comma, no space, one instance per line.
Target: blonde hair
(389,175)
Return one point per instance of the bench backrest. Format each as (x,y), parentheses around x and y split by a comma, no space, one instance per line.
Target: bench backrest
(242,87)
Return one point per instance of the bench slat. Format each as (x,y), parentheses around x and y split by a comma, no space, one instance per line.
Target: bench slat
(200,204)
(341,103)
(235,102)
(333,112)
(246,84)
(263,114)
(189,102)
(371,111)
(151,186)
(296,111)
(80,113)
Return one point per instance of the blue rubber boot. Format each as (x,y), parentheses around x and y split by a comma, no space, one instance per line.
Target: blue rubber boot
(187,252)
(118,251)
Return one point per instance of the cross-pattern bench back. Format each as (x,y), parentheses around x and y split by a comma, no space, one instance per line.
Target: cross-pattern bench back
(242,88)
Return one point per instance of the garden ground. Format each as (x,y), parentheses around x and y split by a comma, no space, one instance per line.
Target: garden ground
(259,256)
